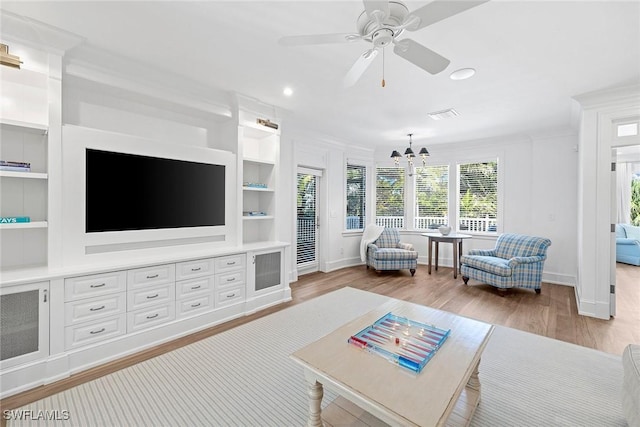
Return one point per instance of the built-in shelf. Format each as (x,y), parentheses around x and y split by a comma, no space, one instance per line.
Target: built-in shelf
(267,190)
(259,161)
(256,217)
(24,126)
(24,175)
(24,225)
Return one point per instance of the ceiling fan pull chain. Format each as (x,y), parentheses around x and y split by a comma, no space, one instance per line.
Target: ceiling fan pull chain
(383,83)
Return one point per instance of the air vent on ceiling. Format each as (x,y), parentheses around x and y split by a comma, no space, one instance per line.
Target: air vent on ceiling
(444,114)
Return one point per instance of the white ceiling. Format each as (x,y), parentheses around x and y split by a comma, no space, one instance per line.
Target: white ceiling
(531,58)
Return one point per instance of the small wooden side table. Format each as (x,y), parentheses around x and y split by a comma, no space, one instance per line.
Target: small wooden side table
(453,238)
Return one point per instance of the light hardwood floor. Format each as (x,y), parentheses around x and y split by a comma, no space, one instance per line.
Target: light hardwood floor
(553,313)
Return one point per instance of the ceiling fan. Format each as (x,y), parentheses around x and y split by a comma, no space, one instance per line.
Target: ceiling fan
(381,23)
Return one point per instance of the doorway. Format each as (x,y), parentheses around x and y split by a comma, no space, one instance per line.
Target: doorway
(307,220)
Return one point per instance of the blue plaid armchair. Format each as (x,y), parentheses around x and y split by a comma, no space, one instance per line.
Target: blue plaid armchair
(388,253)
(515,262)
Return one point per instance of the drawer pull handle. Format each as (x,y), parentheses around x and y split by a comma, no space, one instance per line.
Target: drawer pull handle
(98,286)
(97,332)
(96,308)
(196,269)
(153,296)
(232,295)
(196,287)
(195,305)
(231,279)
(153,276)
(231,263)
(153,317)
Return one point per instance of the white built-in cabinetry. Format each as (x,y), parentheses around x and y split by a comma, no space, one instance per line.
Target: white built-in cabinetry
(259,152)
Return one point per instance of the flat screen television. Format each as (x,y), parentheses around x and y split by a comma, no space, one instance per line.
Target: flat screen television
(134,192)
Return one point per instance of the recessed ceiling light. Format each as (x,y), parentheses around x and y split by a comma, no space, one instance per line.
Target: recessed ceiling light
(287,91)
(462,74)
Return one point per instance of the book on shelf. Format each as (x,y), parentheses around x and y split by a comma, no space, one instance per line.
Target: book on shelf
(254,185)
(254,213)
(14,219)
(9,165)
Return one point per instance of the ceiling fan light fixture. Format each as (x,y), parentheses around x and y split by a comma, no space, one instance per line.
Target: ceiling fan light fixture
(462,74)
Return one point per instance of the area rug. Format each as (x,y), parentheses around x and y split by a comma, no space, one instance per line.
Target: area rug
(244,377)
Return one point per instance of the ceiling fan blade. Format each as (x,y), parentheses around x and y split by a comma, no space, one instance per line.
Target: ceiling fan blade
(359,67)
(318,39)
(421,56)
(371,6)
(438,10)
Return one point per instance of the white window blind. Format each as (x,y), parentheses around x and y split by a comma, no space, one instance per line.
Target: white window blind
(432,197)
(356,197)
(390,197)
(478,196)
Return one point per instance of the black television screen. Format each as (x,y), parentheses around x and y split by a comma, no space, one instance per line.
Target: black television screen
(133,192)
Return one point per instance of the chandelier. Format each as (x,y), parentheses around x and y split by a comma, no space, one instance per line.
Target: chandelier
(410,155)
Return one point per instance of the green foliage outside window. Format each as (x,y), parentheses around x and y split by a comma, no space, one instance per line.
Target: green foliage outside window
(390,192)
(479,190)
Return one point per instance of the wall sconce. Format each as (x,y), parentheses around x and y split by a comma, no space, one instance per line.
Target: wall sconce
(7,59)
(410,155)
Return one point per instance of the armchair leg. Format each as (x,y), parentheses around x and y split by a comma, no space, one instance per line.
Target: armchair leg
(538,291)
(502,292)
(413,271)
(465,280)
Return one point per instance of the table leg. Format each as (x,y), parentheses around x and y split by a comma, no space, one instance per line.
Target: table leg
(429,255)
(437,256)
(315,393)
(474,380)
(460,255)
(455,260)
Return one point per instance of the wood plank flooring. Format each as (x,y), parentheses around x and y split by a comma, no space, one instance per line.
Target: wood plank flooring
(553,313)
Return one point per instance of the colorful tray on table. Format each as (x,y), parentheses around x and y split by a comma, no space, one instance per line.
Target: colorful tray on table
(402,341)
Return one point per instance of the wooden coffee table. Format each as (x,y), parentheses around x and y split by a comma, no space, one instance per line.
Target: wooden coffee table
(446,392)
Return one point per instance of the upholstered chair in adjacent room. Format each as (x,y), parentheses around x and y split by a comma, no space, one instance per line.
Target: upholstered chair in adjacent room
(388,253)
(515,262)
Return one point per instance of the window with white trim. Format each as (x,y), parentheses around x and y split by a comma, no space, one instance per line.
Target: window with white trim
(478,197)
(356,197)
(432,197)
(390,209)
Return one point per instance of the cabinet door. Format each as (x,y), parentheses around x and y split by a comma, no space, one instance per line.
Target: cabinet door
(24,320)
(265,272)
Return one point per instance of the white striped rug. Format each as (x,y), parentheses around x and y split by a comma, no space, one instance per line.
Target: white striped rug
(244,377)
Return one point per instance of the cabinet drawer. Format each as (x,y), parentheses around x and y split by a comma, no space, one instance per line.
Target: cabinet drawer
(229,279)
(148,276)
(193,287)
(193,269)
(229,296)
(76,288)
(195,305)
(87,333)
(151,316)
(95,308)
(231,262)
(149,296)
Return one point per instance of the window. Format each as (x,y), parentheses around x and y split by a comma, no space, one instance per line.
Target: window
(478,196)
(390,197)
(356,197)
(432,197)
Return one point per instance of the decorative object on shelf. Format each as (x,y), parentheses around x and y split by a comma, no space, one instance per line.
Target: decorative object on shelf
(14,219)
(15,166)
(254,185)
(8,59)
(254,213)
(402,341)
(268,123)
(444,230)
(410,155)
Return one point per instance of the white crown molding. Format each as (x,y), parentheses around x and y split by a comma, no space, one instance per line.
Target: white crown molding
(27,31)
(609,97)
